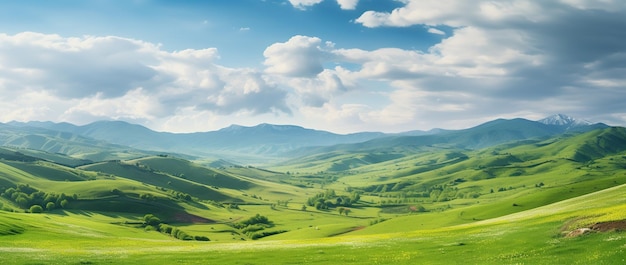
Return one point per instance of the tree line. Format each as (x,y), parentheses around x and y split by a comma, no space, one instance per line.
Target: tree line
(27,197)
(330,199)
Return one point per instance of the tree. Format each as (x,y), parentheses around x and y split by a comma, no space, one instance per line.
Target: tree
(341,210)
(346,211)
(36,209)
(303,208)
(64,203)
(22,201)
(50,206)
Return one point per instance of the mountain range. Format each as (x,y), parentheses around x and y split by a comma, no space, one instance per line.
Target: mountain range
(266,142)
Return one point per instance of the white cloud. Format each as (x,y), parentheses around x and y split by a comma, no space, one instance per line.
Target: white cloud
(343,4)
(347,4)
(319,90)
(77,67)
(300,56)
(436,31)
(495,58)
(454,13)
(89,77)
(501,58)
(303,4)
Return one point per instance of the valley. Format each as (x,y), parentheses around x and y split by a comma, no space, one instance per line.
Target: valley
(504,192)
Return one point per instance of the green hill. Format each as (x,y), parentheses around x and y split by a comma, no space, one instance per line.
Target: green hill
(517,202)
(149,176)
(193,172)
(527,174)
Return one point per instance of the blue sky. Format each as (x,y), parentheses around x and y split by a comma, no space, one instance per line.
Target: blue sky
(337,65)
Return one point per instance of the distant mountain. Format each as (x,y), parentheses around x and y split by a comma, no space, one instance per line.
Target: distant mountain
(234,142)
(568,123)
(25,136)
(484,135)
(266,142)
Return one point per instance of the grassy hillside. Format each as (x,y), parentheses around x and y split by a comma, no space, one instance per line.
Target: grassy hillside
(531,237)
(193,172)
(516,203)
(500,180)
(150,176)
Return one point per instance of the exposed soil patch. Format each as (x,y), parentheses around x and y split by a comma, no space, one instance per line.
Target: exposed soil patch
(578,232)
(610,226)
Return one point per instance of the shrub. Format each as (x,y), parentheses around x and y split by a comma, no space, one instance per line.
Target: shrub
(36,209)
(258,235)
(150,219)
(166,229)
(201,238)
(252,228)
(257,219)
(180,234)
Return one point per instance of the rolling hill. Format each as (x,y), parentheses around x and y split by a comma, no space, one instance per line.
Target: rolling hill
(521,184)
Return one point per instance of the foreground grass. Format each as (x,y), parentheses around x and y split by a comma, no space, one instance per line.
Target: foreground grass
(529,237)
(502,244)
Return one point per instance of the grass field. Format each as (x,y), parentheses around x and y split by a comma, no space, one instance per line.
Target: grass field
(530,237)
(509,204)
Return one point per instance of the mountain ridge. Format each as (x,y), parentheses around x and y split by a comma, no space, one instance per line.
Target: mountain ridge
(266,141)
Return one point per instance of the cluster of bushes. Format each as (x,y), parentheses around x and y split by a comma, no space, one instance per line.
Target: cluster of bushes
(330,199)
(254,220)
(257,235)
(379,220)
(254,227)
(181,195)
(343,210)
(27,197)
(153,223)
(147,197)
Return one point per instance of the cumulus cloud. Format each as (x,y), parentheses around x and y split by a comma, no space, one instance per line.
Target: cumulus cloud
(343,4)
(454,13)
(303,4)
(348,4)
(495,59)
(300,56)
(123,79)
(319,90)
(76,67)
(501,57)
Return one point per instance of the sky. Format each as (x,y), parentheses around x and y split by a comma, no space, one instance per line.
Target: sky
(337,65)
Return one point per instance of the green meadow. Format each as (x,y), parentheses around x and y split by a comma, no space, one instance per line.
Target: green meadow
(530,237)
(541,201)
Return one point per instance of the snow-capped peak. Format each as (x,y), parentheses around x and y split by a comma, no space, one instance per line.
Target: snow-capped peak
(564,120)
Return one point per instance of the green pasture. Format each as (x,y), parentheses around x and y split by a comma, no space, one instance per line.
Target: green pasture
(530,237)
